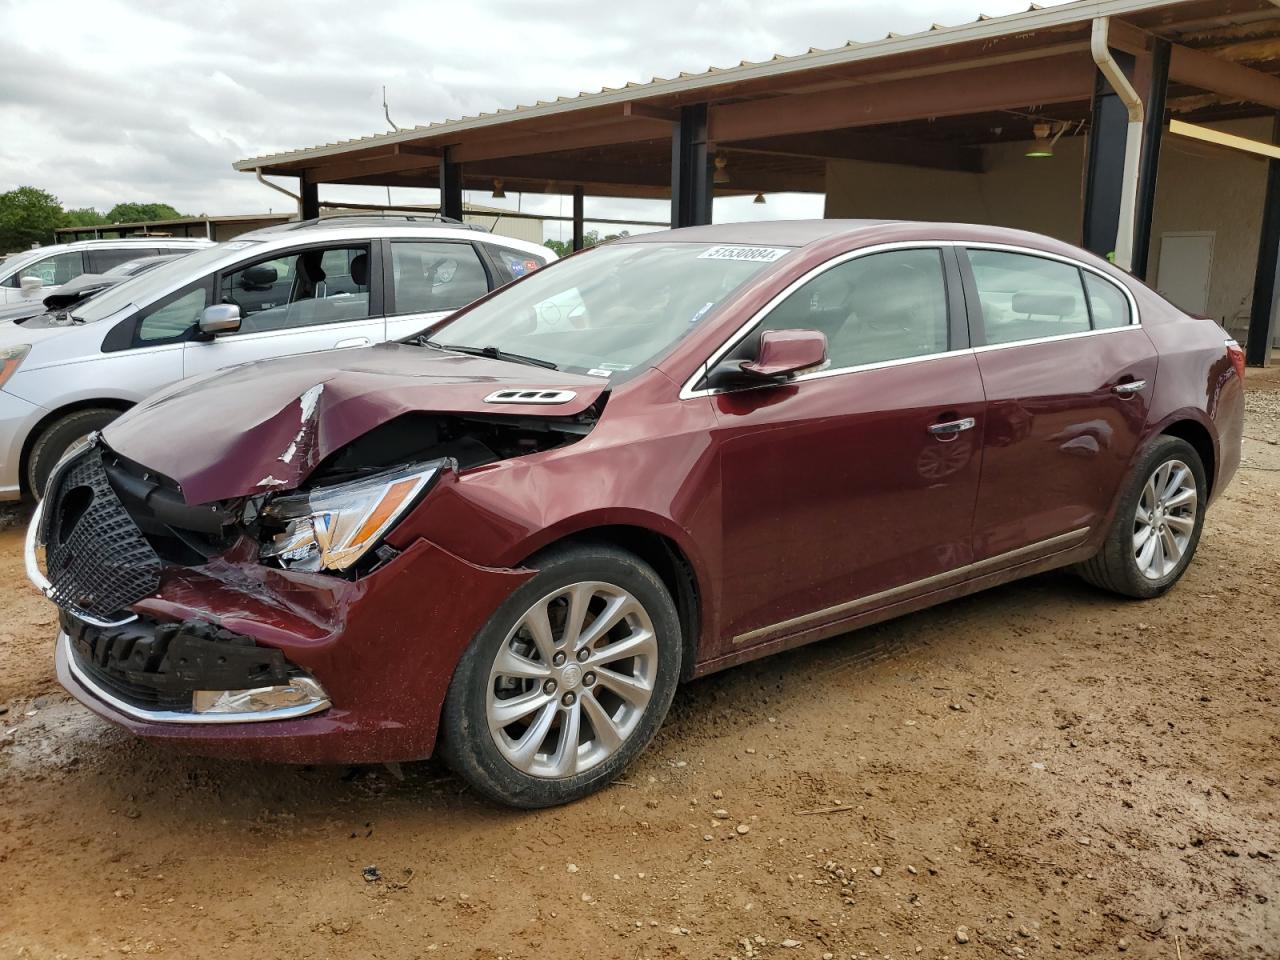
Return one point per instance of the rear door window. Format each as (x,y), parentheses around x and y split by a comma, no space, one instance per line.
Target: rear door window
(435,276)
(1108,306)
(1025,297)
(100,260)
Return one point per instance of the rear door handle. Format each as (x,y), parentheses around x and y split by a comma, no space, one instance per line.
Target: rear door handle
(352,342)
(952,427)
(1129,388)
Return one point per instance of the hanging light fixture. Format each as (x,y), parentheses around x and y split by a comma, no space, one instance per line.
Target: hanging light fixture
(1045,140)
(498,192)
(759,198)
(721,175)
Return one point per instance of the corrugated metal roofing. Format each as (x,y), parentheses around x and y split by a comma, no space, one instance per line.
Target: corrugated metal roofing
(1033,18)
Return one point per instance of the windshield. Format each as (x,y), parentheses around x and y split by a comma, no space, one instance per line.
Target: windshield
(146,286)
(609,311)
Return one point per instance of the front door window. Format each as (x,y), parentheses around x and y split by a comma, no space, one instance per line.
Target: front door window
(302,289)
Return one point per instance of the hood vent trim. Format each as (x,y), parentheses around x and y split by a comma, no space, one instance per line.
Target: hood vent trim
(549,397)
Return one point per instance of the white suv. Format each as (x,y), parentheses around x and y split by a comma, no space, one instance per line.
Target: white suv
(295,288)
(36,273)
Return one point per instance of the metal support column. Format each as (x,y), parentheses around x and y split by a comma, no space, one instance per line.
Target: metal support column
(1104,173)
(309,199)
(1152,135)
(1266,283)
(577,218)
(450,187)
(691,168)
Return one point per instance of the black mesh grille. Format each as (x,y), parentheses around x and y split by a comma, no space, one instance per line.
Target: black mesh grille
(95,556)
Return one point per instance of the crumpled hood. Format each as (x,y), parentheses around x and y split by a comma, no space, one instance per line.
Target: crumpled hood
(265,426)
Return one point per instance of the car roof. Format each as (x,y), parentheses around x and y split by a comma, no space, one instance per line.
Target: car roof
(783,233)
(372,228)
(847,234)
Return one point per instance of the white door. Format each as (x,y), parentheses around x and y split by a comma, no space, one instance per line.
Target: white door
(1185,266)
(296,302)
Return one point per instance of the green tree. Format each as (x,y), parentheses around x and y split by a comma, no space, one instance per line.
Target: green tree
(141,212)
(83,217)
(562,248)
(28,216)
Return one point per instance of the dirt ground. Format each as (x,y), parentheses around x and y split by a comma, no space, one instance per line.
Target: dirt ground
(1040,770)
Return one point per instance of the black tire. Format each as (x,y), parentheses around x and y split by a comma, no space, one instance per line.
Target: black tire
(57,438)
(466,742)
(1115,567)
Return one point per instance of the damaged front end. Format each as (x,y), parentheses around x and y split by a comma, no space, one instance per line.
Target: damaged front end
(276,605)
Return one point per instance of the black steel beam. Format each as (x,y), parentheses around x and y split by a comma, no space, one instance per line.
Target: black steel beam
(577,218)
(1149,168)
(1266,282)
(450,187)
(309,203)
(1104,172)
(691,168)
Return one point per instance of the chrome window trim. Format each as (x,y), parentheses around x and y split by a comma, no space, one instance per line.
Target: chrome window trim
(689,392)
(1135,319)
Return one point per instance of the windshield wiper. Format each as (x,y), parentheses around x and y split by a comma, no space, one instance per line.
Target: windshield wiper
(493,353)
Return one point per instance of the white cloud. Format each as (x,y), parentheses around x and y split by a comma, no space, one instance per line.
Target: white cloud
(104,101)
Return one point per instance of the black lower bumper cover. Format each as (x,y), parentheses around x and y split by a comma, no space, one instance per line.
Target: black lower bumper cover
(159,665)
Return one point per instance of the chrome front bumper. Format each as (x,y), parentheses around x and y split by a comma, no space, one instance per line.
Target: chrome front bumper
(265,703)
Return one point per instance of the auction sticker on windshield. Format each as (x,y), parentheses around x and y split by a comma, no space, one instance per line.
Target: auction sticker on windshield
(753,254)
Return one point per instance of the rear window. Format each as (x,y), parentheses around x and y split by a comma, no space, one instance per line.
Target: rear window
(514,264)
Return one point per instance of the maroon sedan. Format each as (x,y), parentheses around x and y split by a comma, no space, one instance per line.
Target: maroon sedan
(510,537)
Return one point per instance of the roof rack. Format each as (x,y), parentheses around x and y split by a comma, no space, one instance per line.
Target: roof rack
(379,219)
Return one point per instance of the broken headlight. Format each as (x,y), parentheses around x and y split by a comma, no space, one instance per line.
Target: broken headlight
(330,528)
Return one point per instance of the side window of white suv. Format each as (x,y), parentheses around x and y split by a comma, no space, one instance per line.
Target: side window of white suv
(173,316)
(302,289)
(55,270)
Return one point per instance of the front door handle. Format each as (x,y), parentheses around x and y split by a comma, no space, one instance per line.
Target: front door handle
(1129,388)
(951,427)
(352,342)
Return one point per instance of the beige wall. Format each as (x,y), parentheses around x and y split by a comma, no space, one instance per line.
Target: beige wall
(1200,188)
(1014,191)
(1206,188)
(519,229)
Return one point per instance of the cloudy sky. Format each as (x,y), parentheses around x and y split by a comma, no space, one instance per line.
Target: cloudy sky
(102,101)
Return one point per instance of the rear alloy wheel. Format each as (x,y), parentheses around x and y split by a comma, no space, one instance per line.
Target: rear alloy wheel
(567,682)
(1157,525)
(1165,519)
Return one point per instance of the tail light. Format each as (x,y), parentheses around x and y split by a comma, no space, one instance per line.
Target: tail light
(1236,355)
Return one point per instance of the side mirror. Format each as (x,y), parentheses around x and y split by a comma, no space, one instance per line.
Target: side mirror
(220,318)
(782,355)
(29,285)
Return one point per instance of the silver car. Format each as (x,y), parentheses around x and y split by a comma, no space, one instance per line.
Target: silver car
(36,273)
(294,288)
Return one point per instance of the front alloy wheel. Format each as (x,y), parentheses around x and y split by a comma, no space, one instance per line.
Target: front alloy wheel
(572,680)
(567,682)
